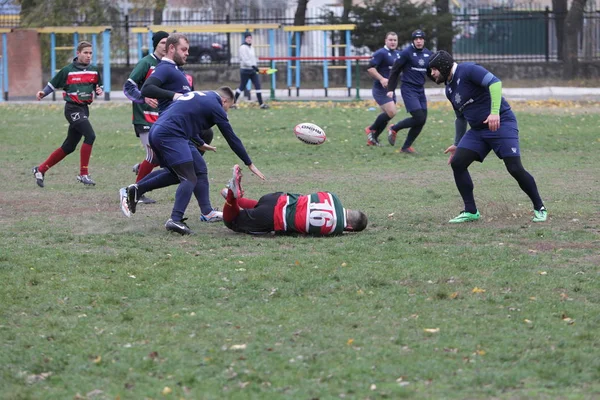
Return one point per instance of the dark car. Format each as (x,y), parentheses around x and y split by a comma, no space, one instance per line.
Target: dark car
(206,48)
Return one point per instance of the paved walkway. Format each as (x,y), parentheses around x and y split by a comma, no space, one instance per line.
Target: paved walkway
(433,94)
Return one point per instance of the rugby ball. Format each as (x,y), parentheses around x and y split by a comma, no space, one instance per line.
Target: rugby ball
(309,133)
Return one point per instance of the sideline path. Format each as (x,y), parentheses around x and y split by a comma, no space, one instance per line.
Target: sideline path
(433,94)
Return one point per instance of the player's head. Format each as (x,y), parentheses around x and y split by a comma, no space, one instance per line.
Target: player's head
(227,96)
(248,37)
(84,52)
(159,41)
(418,39)
(356,221)
(177,48)
(440,66)
(391,40)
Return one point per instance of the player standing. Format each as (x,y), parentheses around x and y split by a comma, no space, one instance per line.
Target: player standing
(476,96)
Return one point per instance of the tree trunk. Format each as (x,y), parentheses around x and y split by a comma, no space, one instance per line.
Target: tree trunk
(573,25)
(560,9)
(299,20)
(158,11)
(345,20)
(444,42)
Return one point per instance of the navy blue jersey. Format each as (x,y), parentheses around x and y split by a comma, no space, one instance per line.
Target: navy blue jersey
(413,64)
(173,79)
(469,94)
(382,60)
(197,111)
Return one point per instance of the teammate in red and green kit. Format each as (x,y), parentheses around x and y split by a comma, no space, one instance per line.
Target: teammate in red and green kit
(80,81)
(317,214)
(145,109)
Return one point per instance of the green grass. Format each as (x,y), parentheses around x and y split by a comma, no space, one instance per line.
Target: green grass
(95,305)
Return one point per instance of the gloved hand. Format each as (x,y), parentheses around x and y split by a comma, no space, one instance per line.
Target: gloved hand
(255,68)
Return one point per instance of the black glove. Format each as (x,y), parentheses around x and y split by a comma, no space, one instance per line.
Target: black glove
(255,68)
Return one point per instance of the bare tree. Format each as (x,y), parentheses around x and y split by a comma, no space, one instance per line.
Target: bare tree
(560,9)
(573,25)
(299,20)
(444,35)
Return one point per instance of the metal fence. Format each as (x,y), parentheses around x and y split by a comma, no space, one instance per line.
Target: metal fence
(481,34)
(520,35)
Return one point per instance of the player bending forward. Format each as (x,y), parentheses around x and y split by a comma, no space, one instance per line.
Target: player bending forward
(314,214)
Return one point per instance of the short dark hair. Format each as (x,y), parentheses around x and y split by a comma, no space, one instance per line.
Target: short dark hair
(356,221)
(392,33)
(174,38)
(225,91)
(83,44)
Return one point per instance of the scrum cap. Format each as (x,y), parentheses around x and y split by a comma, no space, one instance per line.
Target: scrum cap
(443,62)
(418,34)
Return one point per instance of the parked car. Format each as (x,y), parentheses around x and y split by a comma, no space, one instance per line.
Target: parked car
(206,48)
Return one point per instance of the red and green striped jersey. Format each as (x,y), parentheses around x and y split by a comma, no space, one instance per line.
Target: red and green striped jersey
(143,114)
(317,214)
(79,82)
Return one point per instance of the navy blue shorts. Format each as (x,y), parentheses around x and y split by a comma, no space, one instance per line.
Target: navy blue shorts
(504,142)
(380,96)
(413,97)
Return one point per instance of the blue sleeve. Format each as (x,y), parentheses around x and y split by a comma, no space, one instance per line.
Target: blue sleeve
(478,75)
(489,79)
(132,92)
(376,59)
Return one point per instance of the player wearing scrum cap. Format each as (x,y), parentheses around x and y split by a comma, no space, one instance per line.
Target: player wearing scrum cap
(476,96)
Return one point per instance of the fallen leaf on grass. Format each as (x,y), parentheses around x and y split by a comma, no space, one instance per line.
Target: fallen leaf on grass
(349,342)
(454,295)
(527,321)
(97,360)
(477,290)
(431,330)
(543,273)
(373,386)
(93,393)
(38,377)
(237,347)
(167,390)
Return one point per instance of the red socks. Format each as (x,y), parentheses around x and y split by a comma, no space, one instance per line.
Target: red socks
(145,169)
(231,209)
(84,158)
(54,158)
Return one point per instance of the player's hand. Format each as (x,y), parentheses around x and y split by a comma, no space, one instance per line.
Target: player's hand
(99,90)
(207,147)
(256,172)
(493,122)
(151,102)
(390,95)
(450,150)
(39,95)
(176,96)
(384,82)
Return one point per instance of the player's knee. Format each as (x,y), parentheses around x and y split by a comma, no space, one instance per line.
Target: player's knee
(68,148)
(514,166)
(89,138)
(420,117)
(391,113)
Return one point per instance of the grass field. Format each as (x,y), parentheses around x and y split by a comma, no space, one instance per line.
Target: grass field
(95,305)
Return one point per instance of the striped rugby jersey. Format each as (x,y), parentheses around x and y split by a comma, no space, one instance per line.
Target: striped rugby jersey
(79,82)
(318,214)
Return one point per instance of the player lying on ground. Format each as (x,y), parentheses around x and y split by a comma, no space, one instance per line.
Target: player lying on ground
(319,213)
